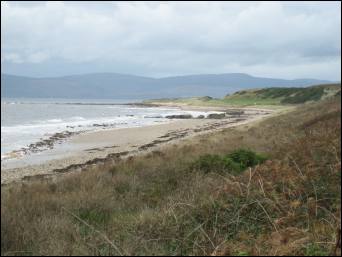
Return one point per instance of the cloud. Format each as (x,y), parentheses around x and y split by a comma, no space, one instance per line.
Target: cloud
(167,38)
(11,57)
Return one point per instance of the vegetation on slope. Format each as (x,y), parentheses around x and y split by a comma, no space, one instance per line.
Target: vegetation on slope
(265,96)
(167,203)
(287,95)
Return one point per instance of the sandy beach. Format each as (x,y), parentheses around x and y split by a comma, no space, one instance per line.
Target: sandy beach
(106,146)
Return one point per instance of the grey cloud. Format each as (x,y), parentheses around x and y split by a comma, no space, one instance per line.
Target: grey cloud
(269,39)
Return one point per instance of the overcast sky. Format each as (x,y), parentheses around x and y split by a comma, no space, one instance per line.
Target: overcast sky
(284,40)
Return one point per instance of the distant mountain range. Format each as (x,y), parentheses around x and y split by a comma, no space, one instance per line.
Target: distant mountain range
(121,86)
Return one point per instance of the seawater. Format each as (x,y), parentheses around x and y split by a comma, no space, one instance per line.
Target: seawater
(27,121)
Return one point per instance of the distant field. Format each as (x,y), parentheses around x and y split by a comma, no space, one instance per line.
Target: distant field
(261,97)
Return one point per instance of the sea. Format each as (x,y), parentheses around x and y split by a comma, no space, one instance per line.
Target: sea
(27,121)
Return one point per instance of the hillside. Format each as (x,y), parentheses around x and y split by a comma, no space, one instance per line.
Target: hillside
(268,188)
(284,95)
(116,86)
(265,96)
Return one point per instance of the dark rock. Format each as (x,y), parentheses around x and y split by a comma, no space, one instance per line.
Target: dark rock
(237,113)
(216,116)
(179,116)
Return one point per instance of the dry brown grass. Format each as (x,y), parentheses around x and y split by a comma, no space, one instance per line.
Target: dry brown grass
(157,204)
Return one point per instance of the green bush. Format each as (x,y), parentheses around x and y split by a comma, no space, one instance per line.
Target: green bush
(292,95)
(231,165)
(307,94)
(278,92)
(246,158)
(235,162)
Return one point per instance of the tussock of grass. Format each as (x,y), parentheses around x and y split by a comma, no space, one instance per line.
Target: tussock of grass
(159,204)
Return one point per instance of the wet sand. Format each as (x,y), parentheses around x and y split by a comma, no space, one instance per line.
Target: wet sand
(107,146)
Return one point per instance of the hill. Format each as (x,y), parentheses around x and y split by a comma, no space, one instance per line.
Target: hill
(122,86)
(265,96)
(284,95)
(196,197)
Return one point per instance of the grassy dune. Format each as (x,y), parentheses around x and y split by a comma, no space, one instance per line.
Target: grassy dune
(266,96)
(176,201)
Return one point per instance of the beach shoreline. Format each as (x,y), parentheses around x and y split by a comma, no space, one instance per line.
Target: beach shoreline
(107,146)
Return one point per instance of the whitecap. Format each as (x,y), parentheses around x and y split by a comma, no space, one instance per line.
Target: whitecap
(77,118)
(55,120)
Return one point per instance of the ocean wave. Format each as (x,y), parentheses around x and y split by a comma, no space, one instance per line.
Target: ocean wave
(10,103)
(77,118)
(14,137)
(54,120)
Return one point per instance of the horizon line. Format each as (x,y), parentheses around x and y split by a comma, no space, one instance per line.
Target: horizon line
(150,77)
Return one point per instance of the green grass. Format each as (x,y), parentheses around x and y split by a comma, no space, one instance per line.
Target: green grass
(262,97)
(316,250)
(251,101)
(283,95)
(197,101)
(94,216)
(234,162)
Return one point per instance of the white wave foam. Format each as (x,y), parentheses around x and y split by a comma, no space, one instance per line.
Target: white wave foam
(77,118)
(54,120)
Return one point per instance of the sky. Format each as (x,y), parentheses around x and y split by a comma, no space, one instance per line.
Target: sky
(271,39)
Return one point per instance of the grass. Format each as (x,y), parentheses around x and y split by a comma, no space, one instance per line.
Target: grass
(285,95)
(263,97)
(175,202)
(316,250)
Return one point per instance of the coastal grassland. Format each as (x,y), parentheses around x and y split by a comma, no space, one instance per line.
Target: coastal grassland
(262,97)
(171,202)
(217,102)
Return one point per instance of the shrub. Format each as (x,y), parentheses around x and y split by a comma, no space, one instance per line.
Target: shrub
(235,162)
(231,165)
(278,92)
(307,94)
(246,158)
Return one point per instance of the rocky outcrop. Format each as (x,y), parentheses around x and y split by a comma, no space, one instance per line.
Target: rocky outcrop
(179,116)
(45,144)
(216,116)
(235,112)
(189,116)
